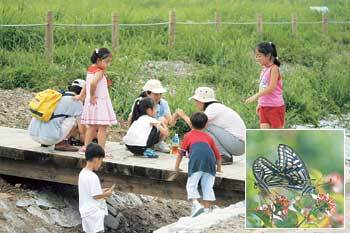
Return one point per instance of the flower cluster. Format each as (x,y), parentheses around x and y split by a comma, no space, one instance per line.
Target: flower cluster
(325,203)
(278,209)
(266,209)
(281,204)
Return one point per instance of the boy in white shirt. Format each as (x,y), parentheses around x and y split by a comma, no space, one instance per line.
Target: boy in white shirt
(92,205)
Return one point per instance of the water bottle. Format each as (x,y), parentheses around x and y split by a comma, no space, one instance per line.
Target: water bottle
(175,143)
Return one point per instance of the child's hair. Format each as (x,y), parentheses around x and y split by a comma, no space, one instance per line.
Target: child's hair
(76,89)
(145,94)
(140,107)
(101,54)
(267,48)
(199,120)
(94,150)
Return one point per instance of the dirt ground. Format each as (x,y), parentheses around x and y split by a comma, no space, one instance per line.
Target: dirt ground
(150,215)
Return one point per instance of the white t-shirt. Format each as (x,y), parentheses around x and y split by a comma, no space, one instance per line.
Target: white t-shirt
(89,186)
(139,131)
(224,117)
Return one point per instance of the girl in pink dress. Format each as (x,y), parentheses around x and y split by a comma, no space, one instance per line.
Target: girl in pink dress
(98,112)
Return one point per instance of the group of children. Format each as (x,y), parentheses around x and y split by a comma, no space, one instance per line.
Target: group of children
(148,128)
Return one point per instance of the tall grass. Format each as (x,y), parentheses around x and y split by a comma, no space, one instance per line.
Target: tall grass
(315,65)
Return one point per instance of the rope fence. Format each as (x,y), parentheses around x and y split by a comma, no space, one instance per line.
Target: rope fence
(115,25)
(166,23)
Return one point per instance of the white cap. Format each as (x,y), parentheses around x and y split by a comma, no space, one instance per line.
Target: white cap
(79,83)
(154,86)
(204,95)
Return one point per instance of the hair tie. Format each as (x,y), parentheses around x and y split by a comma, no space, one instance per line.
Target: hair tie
(277,58)
(96,51)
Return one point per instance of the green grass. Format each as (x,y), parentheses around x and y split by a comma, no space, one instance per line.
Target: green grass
(315,76)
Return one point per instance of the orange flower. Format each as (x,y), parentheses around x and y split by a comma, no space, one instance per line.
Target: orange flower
(266,209)
(325,203)
(282,204)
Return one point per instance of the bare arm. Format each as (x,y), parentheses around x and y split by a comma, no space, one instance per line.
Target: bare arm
(218,165)
(94,82)
(82,95)
(105,194)
(272,85)
(183,115)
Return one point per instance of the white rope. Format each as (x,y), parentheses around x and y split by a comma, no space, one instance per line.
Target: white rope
(143,24)
(238,23)
(23,25)
(309,22)
(277,23)
(82,25)
(339,22)
(166,23)
(195,23)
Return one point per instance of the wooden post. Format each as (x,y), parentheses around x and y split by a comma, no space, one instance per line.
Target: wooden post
(115,32)
(259,24)
(294,26)
(49,37)
(217,21)
(324,23)
(172,25)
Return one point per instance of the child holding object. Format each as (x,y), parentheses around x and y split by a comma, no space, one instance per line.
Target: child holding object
(145,130)
(92,206)
(204,161)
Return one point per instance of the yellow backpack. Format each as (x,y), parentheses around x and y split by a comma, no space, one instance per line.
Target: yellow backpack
(43,105)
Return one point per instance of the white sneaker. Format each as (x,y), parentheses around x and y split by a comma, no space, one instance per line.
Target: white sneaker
(162,147)
(207,210)
(197,209)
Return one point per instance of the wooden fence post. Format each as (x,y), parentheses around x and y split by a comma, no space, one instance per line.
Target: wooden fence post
(49,37)
(259,24)
(324,23)
(115,32)
(294,26)
(172,25)
(217,21)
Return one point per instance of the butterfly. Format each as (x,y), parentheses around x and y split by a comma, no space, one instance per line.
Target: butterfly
(266,175)
(294,169)
(289,171)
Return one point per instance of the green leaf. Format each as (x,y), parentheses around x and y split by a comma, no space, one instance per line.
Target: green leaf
(290,222)
(263,217)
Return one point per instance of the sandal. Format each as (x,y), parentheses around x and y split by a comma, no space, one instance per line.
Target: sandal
(149,153)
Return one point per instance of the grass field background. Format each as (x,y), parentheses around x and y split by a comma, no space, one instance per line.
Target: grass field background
(315,70)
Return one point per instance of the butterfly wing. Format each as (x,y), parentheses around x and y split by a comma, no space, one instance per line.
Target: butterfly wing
(266,174)
(293,168)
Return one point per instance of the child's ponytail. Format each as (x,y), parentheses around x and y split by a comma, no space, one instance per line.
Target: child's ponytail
(101,54)
(140,107)
(274,55)
(269,48)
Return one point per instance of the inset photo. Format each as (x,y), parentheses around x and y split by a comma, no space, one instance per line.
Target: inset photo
(295,179)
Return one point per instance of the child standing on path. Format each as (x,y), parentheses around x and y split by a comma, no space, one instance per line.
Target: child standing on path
(92,206)
(145,130)
(204,157)
(98,112)
(271,106)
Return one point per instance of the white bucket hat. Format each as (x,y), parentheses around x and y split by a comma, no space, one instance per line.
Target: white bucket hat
(154,86)
(204,95)
(79,83)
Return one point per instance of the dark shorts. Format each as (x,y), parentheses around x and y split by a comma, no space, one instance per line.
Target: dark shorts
(153,139)
(274,116)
